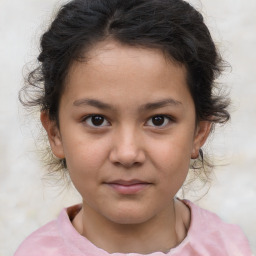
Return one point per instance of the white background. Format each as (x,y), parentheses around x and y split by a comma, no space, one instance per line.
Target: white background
(27,201)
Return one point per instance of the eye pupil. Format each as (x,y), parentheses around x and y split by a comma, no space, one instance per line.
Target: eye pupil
(158,120)
(97,120)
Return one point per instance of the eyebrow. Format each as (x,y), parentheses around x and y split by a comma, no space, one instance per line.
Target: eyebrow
(160,104)
(148,106)
(92,102)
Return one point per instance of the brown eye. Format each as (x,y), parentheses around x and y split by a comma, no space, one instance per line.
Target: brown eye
(159,121)
(96,121)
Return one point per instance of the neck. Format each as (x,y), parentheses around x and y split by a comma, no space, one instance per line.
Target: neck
(160,233)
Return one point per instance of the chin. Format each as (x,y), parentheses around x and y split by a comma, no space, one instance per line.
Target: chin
(129,216)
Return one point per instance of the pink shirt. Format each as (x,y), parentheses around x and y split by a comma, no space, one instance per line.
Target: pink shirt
(208,235)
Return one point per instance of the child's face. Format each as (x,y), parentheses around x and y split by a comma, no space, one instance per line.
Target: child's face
(131,158)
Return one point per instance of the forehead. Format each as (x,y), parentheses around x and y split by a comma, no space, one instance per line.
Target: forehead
(116,70)
(113,55)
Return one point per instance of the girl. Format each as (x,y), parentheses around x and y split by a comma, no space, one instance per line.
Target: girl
(125,90)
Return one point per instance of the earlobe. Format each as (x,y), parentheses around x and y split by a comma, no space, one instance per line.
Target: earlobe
(54,135)
(202,132)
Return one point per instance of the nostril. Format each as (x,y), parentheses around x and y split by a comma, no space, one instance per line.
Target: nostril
(134,164)
(127,164)
(127,159)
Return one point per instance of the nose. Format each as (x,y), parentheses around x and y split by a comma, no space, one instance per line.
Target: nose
(127,149)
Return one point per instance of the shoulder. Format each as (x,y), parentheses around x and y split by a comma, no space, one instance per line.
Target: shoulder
(50,239)
(210,231)
(41,241)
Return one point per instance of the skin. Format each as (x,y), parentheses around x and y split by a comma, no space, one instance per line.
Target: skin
(121,83)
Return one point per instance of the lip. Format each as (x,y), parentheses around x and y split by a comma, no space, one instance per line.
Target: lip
(128,187)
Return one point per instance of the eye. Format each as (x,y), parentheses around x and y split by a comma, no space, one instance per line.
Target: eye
(96,121)
(159,121)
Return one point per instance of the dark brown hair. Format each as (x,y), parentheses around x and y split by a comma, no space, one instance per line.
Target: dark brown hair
(173,26)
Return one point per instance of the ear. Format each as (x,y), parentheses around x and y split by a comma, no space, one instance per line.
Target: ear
(54,135)
(202,132)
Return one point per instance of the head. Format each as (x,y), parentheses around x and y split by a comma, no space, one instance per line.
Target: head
(84,31)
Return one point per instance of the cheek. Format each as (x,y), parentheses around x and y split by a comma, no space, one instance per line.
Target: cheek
(173,151)
(84,162)
(172,169)
(171,158)
(85,157)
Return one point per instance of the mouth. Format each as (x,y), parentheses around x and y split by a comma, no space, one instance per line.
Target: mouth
(128,187)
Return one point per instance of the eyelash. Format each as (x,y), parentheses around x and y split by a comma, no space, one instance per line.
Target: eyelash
(167,118)
(91,116)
